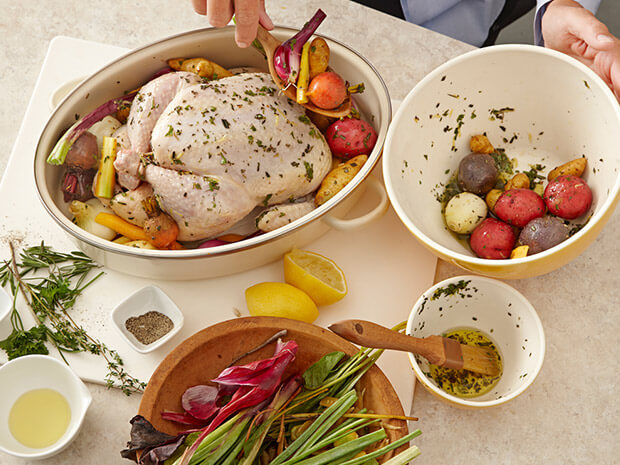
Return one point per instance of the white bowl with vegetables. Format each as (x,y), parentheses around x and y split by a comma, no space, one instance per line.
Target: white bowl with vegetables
(248,229)
(504,161)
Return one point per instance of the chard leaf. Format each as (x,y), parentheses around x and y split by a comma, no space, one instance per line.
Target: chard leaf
(144,436)
(318,372)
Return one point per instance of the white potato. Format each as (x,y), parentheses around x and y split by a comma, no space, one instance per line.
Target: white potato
(104,128)
(464,212)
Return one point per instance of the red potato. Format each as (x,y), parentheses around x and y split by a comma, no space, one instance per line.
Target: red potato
(568,197)
(327,90)
(492,239)
(348,138)
(519,206)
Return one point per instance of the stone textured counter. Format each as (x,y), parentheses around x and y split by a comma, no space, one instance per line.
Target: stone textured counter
(569,415)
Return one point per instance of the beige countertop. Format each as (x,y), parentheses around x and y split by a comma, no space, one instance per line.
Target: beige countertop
(569,415)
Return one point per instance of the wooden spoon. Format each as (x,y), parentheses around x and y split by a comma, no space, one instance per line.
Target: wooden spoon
(440,351)
(270,44)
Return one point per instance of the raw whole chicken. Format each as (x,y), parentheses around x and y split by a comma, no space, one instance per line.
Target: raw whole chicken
(213,151)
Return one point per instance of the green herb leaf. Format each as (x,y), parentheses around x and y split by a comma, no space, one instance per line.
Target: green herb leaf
(316,374)
(22,342)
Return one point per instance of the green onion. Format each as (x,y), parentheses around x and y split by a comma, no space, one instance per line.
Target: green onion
(404,457)
(384,449)
(341,406)
(228,443)
(350,447)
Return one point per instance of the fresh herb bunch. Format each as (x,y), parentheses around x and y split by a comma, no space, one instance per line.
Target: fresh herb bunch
(51,282)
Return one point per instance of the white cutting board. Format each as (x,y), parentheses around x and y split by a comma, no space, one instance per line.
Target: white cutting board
(386,268)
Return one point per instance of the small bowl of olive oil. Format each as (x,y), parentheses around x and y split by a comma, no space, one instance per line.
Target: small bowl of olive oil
(486,313)
(42,406)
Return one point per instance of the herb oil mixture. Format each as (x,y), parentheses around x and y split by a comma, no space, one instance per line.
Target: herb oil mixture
(463,383)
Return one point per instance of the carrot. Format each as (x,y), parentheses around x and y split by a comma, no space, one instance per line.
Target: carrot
(131,231)
(124,228)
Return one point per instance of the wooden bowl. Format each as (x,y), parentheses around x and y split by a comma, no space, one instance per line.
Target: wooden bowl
(204,355)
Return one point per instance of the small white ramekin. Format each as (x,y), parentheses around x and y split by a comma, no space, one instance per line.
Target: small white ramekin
(32,372)
(497,310)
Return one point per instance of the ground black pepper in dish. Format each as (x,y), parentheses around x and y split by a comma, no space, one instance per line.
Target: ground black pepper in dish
(149,327)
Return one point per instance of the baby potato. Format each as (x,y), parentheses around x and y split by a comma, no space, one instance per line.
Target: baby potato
(492,239)
(492,196)
(518,181)
(568,197)
(543,233)
(573,168)
(337,178)
(200,66)
(481,144)
(464,212)
(477,173)
(349,137)
(519,206)
(318,57)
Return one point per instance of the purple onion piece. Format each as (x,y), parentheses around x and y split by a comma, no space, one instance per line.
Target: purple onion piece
(59,153)
(290,51)
(200,401)
(280,64)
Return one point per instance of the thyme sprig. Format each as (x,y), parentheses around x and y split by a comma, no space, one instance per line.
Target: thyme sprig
(50,283)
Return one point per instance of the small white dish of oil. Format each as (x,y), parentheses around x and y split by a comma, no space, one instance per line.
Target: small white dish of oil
(42,406)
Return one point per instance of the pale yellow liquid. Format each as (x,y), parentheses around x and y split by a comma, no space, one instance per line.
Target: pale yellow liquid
(39,418)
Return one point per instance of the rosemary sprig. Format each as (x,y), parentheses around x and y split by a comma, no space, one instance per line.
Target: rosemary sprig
(51,282)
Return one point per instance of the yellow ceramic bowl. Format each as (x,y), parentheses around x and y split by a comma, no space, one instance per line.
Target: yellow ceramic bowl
(541,106)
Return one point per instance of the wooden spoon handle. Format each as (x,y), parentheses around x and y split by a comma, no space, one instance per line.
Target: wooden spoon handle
(269,42)
(369,334)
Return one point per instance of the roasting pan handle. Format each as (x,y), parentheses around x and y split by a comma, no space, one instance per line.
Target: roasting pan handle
(373,215)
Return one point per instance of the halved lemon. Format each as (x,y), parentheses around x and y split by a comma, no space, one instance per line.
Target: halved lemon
(316,275)
(282,300)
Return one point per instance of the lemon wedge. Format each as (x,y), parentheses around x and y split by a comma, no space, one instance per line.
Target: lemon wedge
(316,275)
(281,300)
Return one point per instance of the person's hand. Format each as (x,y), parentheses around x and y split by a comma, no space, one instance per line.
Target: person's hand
(569,28)
(248,14)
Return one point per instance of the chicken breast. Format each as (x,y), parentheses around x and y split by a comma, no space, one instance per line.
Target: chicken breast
(244,128)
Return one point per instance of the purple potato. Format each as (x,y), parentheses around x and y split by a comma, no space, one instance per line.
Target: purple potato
(543,233)
(477,173)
